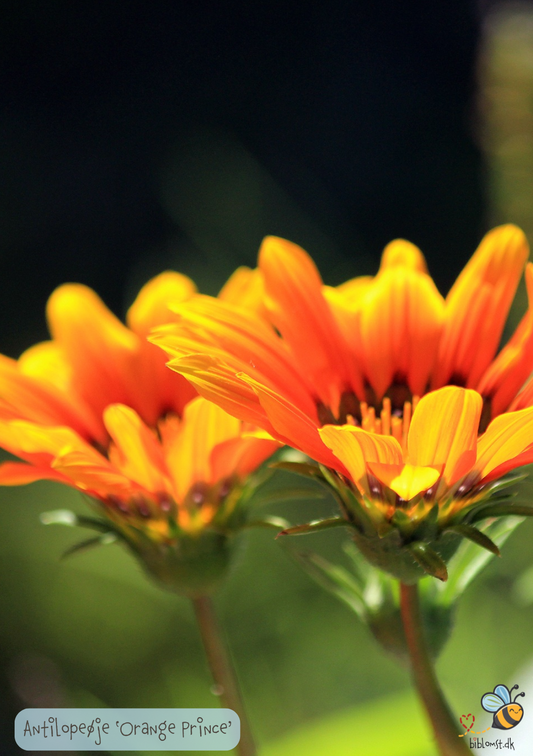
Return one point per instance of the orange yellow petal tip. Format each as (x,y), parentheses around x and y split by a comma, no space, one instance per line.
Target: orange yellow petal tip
(401,253)
(151,306)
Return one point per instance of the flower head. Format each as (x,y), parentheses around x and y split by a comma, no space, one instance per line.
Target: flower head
(95,408)
(349,375)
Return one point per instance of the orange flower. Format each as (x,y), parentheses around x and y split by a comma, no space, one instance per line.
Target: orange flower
(95,408)
(337,373)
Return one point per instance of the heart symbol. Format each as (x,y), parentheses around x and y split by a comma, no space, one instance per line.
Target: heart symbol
(469,724)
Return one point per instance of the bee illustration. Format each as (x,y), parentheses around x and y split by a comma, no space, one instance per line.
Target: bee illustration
(507,713)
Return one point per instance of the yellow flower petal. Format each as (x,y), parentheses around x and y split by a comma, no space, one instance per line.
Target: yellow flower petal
(245,288)
(95,475)
(356,448)
(151,307)
(400,253)
(290,425)
(47,362)
(507,374)
(300,313)
(407,482)
(240,456)
(135,450)
(401,321)
(350,292)
(220,384)
(444,429)
(477,307)
(242,341)
(100,348)
(188,445)
(31,398)
(507,437)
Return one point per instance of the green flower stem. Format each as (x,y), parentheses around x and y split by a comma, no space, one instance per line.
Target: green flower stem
(441,718)
(221,667)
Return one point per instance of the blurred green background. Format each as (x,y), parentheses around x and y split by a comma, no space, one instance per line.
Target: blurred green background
(159,135)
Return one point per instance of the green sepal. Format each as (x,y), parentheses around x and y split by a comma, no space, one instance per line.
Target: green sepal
(103,540)
(402,521)
(384,528)
(475,535)
(427,527)
(300,468)
(72,520)
(429,560)
(277,523)
(314,526)
(497,510)
(358,512)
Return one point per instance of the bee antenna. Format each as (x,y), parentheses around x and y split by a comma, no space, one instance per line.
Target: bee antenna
(518,696)
(514,686)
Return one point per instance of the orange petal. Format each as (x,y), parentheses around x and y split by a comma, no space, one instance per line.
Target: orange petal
(357,448)
(240,456)
(290,425)
(188,447)
(400,253)
(524,458)
(346,305)
(401,322)
(407,480)
(20,474)
(507,374)
(32,398)
(444,429)
(506,438)
(241,341)
(301,314)
(40,444)
(47,363)
(524,398)
(95,475)
(135,450)
(477,307)
(99,348)
(219,384)
(245,288)
(351,292)
(151,307)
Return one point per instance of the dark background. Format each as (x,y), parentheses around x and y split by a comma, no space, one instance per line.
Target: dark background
(138,136)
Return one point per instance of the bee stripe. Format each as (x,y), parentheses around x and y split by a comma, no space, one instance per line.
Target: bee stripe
(506,719)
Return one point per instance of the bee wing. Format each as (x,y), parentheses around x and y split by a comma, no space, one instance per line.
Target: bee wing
(491,702)
(503,692)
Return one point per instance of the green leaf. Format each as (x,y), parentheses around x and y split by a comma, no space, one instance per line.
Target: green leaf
(498,510)
(315,525)
(505,482)
(335,579)
(475,535)
(429,560)
(468,561)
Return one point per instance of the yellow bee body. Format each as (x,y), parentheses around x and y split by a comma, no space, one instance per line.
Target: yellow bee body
(507,713)
(508,716)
